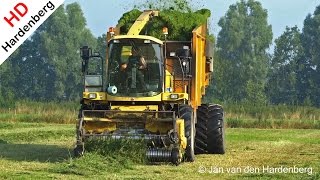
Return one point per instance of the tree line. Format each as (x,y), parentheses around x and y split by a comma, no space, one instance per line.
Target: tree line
(247,72)
(47,66)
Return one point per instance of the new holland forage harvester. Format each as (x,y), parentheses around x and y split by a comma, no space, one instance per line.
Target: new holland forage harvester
(160,103)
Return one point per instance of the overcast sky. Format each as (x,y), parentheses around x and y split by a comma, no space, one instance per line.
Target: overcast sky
(101,14)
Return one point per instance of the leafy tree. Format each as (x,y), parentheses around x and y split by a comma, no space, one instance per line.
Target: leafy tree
(62,50)
(309,78)
(7,74)
(31,70)
(242,62)
(102,45)
(283,83)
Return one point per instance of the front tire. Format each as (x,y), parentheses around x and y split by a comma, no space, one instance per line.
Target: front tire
(78,151)
(186,113)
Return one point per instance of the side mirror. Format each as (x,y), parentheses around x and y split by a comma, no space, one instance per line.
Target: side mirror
(184,56)
(183,53)
(186,66)
(85,52)
(83,67)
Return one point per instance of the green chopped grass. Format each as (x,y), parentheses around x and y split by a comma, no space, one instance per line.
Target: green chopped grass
(107,156)
(119,149)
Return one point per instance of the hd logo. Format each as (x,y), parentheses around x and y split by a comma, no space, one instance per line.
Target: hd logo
(19,19)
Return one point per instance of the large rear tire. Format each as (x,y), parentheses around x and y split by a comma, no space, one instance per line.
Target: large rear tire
(210,135)
(186,113)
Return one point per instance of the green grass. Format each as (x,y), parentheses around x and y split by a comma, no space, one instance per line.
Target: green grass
(272,116)
(49,112)
(108,156)
(44,151)
(132,151)
(236,115)
(249,122)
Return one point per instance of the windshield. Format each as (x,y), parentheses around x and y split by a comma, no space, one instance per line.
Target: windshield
(93,74)
(94,66)
(134,68)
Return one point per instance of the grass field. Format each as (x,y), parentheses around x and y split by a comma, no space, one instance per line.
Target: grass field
(43,151)
(237,115)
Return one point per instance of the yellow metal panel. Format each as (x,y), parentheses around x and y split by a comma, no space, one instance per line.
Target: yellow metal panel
(166,96)
(103,96)
(97,119)
(99,127)
(133,99)
(181,133)
(199,62)
(169,80)
(161,127)
(136,108)
(142,20)
(100,96)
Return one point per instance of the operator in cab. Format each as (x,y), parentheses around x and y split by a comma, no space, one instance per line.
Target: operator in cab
(134,70)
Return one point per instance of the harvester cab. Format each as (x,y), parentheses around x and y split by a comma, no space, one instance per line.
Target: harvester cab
(151,90)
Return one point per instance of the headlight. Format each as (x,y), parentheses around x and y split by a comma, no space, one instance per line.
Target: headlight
(112,90)
(92,95)
(174,96)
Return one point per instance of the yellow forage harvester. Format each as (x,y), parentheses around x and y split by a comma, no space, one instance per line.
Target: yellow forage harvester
(151,89)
